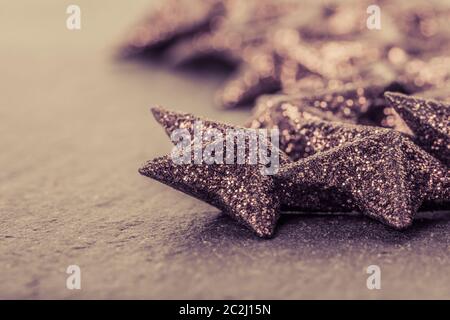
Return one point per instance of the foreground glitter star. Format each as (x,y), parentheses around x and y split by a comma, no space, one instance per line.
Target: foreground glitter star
(239,190)
(428,119)
(384,176)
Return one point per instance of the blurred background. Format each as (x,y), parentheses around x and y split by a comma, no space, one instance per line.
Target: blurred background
(75,127)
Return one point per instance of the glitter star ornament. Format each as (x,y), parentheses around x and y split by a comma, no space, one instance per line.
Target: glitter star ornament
(309,124)
(243,28)
(271,42)
(312,201)
(237,190)
(424,25)
(242,191)
(362,104)
(384,176)
(428,119)
(305,138)
(174,20)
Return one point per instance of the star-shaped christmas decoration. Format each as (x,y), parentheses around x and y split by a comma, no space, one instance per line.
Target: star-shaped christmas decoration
(302,139)
(241,190)
(308,137)
(428,119)
(249,24)
(353,103)
(174,20)
(237,190)
(278,45)
(286,60)
(384,176)
(243,29)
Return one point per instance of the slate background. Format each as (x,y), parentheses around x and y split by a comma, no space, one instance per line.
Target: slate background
(75,126)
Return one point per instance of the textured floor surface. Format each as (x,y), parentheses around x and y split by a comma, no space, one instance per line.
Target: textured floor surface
(75,126)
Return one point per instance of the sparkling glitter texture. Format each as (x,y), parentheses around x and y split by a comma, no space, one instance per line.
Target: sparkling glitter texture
(384,176)
(345,144)
(239,190)
(429,120)
(342,167)
(353,104)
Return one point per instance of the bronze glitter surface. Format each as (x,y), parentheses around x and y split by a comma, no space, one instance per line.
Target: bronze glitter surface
(251,24)
(174,120)
(353,103)
(338,20)
(345,144)
(442,94)
(239,190)
(384,176)
(305,138)
(428,119)
(314,201)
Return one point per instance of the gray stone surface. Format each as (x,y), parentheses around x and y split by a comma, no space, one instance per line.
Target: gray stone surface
(75,126)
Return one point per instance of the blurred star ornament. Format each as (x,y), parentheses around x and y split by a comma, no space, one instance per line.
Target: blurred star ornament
(174,20)
(423,25)
(286,59)
(238,190)
(244,27)
(420,74)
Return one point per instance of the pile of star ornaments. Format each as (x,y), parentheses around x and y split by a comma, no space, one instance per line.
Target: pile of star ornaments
(363,115)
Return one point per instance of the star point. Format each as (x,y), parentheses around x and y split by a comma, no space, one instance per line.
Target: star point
(240,190)
(237,190)
(428,119)
(384,176)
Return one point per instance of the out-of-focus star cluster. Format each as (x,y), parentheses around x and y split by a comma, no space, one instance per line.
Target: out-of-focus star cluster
(301,46)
